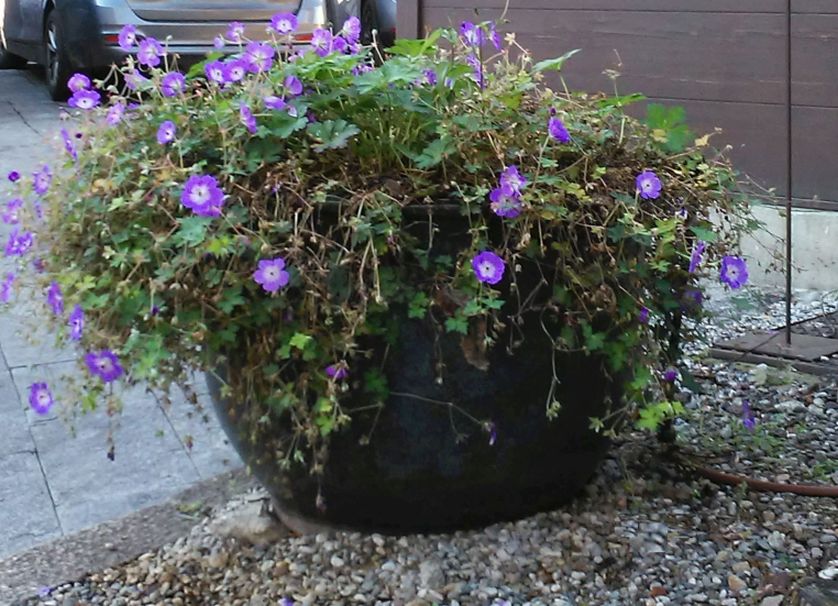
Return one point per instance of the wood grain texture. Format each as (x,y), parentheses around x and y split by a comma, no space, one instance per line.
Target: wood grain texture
(723,60)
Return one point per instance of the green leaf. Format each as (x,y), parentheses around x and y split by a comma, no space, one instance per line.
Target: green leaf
(300,340)
(668,127)
(192,232)
(332,134)
(554,64)
(418,305)
(705,234)
(457,324)
(435,152)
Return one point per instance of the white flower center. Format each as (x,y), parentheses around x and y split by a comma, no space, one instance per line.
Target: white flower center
(104,364)
(200,194)
(42,397)
(487,269)
(272,273)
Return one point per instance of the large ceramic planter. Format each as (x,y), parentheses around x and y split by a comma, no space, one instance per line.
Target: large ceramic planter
(419,464)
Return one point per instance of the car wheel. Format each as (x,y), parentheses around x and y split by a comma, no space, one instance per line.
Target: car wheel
(8,60)
(58,68)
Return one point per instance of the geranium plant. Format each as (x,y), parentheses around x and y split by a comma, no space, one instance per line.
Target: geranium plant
(272,212)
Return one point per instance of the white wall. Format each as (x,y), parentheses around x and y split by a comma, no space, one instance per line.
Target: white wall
(814,248)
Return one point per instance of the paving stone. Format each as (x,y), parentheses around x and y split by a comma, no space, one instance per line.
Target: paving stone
(14,428)
(150,462)
(27,516)
(211,452)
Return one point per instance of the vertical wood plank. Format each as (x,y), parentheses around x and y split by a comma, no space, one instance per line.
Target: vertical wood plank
(408,19)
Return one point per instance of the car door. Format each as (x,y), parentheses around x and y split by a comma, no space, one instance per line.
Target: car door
(12,22)
(32,25)
(210,10)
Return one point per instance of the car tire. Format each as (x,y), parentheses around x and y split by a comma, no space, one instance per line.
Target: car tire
(56,63)
(9,60)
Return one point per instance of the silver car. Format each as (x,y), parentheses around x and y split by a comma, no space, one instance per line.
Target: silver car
(66,36)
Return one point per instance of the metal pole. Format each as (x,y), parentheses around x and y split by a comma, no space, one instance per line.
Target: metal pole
(788,172)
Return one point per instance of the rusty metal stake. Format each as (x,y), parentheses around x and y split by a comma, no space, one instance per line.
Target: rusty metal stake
(788,172)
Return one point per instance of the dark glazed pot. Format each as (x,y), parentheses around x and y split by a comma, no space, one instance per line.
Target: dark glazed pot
(414,475)
(426,466)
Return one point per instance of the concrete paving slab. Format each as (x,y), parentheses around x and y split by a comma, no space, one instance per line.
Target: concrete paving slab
(26,511)
(150,462)
(210,451)
(14,428)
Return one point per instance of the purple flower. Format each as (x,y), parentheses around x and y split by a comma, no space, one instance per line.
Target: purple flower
(40,398)
(670,375)
(321,41)
(150,52)
(69,145)
(202,195)
(18,243)
(13,176)
(293,85)
(471,34)
(10,214)
(104,365)
(510,177)
(172,84)
(284,23)
(247,118)
(477,69)
(135,80)
(6,287)
(733,272)
(494,36)
(697,256)
(505,202)
(235,32)
(338,372)
(558,130)
(76,323)
(166,132)
(748,419)
(78,82)
(235,70)
(643,315)
(351,30)
(488,267)
(219,42)
(39,265)
(41,180)
(271,274)
(115,113)
(683,213)
(648,185)
(259,57)
(274,102)
(44,591)
(339,45)
(55,299)
(127,38)
(692,299)
(493,432)
(286,602)
(429,77)
(215,72)
(362,68)
(84,99)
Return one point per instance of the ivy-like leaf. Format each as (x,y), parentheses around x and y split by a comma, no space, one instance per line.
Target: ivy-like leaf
(332,134)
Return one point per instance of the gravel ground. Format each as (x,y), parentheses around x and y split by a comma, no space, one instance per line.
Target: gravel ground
(643,532)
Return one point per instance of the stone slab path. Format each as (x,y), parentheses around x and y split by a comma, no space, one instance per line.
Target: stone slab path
(52,483)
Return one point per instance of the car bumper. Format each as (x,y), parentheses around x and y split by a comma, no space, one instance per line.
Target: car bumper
(92,35)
